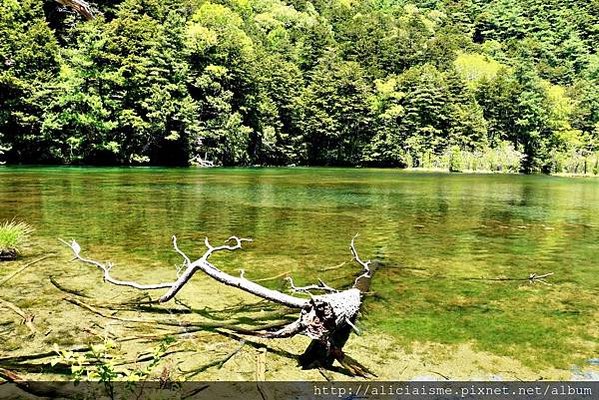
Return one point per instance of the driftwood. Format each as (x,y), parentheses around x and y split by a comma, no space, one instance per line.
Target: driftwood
(36,356)
(23,268)
(531,278)
(66,290)
(27,318)
(327,319)
(201,162)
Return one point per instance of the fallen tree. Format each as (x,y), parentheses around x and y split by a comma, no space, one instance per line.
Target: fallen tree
(327,318)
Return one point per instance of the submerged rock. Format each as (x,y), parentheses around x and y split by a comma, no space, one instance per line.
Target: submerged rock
(8,254)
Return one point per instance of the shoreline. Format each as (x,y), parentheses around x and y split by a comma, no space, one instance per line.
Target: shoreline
(301,167)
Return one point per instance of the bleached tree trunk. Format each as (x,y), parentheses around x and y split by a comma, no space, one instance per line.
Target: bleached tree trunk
(327,319)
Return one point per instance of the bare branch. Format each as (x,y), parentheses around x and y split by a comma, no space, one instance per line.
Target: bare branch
(105,268)
(352,248)
(23,268)
(327,318)
(326,287)
(306,289)
(221,276)
(216,363)
(272,278)
(191,268)
(335,266)
(27,318)
(354,327)
(367,273)
(212,250)
(533,278)
(287,331)
(187,260)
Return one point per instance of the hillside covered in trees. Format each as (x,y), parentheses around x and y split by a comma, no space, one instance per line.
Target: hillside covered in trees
(484,85)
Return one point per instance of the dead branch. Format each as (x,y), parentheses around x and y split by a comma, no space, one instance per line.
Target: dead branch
(231,355)
(37,356)
(66,290)
(9,376)
(151,357)
(201,162)
(353,366)
(191,268)
(39,389)
(189,326)
(327,318)
(94,310)
(531,278)
(366,274)
(306,289)
(258,345)
(335,266)
(105,268)
(239,282)
(23,268)
(114,317)
(261,364)
(27,318)
(54,367)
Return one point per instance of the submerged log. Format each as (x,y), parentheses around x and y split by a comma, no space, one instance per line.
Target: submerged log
(327,319)
(27,318)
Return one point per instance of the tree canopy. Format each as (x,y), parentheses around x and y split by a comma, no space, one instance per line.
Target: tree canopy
(272,82)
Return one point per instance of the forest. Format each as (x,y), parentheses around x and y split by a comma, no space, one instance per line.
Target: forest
(458,84)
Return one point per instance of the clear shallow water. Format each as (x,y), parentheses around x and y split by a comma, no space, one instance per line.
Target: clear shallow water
(433,233)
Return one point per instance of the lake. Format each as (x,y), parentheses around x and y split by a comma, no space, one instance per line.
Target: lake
(455,249)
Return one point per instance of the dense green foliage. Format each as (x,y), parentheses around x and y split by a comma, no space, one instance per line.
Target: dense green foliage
(458,84)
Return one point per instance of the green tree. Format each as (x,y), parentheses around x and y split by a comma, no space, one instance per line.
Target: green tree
(586,113)
(425,125)
(467,128)
(386,148)
(333,113)
(223,79)
(125,99)
(421,112)
(278,139)
(29,64)
(517,109)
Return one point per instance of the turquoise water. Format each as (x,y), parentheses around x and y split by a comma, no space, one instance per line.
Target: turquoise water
(434,234)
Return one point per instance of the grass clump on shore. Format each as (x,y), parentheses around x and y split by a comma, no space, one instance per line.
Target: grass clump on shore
(13,235)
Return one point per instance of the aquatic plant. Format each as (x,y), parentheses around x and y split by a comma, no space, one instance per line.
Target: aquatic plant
(13,235)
